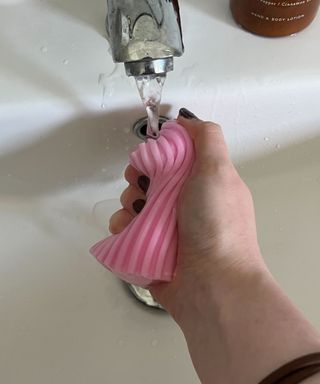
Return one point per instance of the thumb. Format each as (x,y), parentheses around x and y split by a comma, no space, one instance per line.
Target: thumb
(210,145)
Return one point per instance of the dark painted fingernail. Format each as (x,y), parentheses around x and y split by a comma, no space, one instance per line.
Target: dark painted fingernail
(144,182)
(138,205)
(184,112)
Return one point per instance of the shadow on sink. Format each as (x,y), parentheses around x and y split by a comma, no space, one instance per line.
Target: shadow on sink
(90,148)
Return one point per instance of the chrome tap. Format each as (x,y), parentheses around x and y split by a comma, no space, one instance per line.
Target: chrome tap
(145,35)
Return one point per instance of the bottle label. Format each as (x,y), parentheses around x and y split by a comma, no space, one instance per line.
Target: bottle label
(285,3)
(273,17)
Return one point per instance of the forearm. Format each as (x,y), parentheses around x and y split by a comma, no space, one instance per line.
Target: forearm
(242,330)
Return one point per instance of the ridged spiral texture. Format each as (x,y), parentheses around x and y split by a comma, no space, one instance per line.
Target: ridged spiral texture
(145,251)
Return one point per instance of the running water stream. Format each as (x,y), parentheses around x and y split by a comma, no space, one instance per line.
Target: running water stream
(150,90)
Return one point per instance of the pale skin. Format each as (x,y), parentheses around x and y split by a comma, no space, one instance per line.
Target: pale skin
(238,323)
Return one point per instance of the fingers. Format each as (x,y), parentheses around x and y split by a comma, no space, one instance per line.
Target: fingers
(136,178)
(119,221)
(132,175)
(209,141)
(133,200)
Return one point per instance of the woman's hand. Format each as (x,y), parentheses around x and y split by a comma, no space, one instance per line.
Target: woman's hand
(216,223)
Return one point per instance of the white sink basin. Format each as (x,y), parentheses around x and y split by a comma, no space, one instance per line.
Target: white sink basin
(63,318)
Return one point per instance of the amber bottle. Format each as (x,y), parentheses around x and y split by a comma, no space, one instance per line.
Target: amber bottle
(274,18)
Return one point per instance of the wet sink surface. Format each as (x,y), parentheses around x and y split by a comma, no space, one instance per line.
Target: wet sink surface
(63,316)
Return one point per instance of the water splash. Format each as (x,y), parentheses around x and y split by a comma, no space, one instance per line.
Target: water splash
(107,81)
(150,90)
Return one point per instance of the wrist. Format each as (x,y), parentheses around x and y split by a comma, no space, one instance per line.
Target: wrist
(243,324)
(211,293)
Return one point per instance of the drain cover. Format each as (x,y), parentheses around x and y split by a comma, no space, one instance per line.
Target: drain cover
(140,127)
(144,296)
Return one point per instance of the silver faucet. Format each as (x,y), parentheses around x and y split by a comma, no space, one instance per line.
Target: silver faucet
(145,35)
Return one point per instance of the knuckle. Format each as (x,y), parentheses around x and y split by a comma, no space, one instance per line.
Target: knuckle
(112,228)
(123,196)
(116,222)
(238,184)
(217,167)
(210,127)
(127,172)
(225,173)
(113,225)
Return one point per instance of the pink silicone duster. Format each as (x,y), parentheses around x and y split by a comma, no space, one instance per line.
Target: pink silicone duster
(145,252)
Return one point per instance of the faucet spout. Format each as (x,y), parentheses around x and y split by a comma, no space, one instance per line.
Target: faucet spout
(145,35)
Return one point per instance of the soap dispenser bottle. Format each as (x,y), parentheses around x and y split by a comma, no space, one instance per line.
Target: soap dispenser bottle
(274,18)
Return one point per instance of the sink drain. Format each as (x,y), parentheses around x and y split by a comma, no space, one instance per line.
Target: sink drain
(144,296)
(140,127)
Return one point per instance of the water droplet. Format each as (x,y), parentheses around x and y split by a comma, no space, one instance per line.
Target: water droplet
(266,139)
(9,175)
(281,229)
(65,61)
(127,148)
(121,343)
(69,145)
(174,357)
(44,49)
(108,140)
(154,343)
(103,106)
(127,130)
(107,148)
(278,146)
(114,128)
(103,170)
